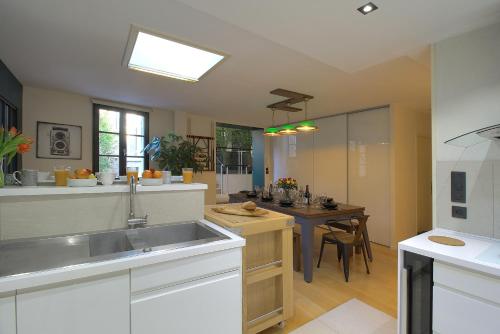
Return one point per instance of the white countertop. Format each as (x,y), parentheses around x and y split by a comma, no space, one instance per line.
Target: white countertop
(475,255)
(118,188)
(31,280)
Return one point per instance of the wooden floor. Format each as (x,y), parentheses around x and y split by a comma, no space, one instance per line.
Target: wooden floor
(329,289)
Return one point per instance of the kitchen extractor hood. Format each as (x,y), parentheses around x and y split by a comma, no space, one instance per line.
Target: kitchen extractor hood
(476,137)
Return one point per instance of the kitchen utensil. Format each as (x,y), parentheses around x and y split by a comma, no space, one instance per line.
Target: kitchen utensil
(27,177)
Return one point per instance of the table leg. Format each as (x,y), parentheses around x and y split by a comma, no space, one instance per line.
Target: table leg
(307,250)
(368,246)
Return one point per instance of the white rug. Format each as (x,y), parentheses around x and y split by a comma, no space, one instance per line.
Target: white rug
(352,317)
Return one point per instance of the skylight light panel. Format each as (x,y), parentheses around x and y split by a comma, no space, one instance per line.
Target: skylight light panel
(158,55)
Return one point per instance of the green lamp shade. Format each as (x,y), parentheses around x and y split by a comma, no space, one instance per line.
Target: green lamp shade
(272,132)
(288,129)
(307,126)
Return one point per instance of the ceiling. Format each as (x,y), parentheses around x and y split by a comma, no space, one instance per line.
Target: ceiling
(323,48)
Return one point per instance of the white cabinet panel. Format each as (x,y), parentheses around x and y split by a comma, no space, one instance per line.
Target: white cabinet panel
(330,158)
(170,273)
(467,281)
(8,315)
(456,313)
(369,172)
(211,305)
(97,306)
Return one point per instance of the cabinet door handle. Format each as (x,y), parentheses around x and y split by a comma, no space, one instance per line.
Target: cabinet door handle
(404,301)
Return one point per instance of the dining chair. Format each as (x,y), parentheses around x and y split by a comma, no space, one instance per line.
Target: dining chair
(350,227)
(345,244)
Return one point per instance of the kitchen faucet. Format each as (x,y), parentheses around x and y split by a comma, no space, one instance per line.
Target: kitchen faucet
(132,221)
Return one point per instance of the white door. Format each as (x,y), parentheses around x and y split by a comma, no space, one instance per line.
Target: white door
(99,306)
(211,305)
(369,144)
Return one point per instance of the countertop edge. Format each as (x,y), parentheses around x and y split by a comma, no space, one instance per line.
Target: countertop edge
(419,245)
(10,284)
(119,188)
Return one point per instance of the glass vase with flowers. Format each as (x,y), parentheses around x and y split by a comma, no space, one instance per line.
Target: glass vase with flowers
(12,142)
(287,184)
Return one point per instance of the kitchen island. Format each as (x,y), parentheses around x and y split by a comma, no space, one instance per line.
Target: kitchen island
(267,266)
(178,273)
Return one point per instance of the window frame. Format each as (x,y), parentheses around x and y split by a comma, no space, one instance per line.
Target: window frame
(122,136)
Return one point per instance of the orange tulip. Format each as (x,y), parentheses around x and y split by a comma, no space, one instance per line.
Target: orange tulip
(23,148)
(13,131)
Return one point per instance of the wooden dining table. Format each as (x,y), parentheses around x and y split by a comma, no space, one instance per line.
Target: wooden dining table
(309,218)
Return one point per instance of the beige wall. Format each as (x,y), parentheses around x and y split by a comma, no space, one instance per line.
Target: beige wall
(321,161)
(404,175)
(68,108)
(57,107)
(80,213)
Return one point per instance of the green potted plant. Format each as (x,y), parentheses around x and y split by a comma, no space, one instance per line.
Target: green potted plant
(11,143)
(174,153)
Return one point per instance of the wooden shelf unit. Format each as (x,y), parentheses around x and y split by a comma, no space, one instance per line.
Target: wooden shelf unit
(267,266)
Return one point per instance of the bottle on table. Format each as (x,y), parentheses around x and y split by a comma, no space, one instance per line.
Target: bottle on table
(307,195)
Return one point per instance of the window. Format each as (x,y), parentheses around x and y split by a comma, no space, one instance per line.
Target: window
(152,53)
(119,137)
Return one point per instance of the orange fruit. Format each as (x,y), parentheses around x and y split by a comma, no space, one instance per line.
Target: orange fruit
(147,174)
(157,174)
(82,173)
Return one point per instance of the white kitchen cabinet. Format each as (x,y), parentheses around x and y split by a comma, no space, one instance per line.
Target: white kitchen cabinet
(200,294)
(454,312)
(100,305)
(211,305)
(8,315)
(464,301)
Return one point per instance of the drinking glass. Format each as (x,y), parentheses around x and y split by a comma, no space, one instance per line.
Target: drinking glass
(187,175)
(61,174)
(132,171)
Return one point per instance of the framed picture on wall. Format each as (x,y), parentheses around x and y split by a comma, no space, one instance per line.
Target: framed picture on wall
(58,141)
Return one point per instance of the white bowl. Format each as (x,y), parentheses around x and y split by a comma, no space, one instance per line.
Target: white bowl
(82,182)
(177,178)
(152,182)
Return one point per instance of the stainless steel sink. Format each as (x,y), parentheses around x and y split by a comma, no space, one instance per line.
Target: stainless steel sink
(109,243)
(193,233)
(30,255)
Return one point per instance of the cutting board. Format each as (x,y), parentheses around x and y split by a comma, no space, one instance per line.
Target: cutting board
(446,240)
(238,211)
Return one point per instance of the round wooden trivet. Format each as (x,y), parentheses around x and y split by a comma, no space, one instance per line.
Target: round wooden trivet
(446,240)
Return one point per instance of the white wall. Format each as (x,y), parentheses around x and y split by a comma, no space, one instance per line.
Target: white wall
(68,108)
(466,97)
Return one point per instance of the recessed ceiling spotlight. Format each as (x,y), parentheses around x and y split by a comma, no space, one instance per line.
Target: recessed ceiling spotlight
(368,8)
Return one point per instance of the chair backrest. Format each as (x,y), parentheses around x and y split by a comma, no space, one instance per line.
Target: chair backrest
(361,228)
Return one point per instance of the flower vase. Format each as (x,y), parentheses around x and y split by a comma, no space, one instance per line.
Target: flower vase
(286,200)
